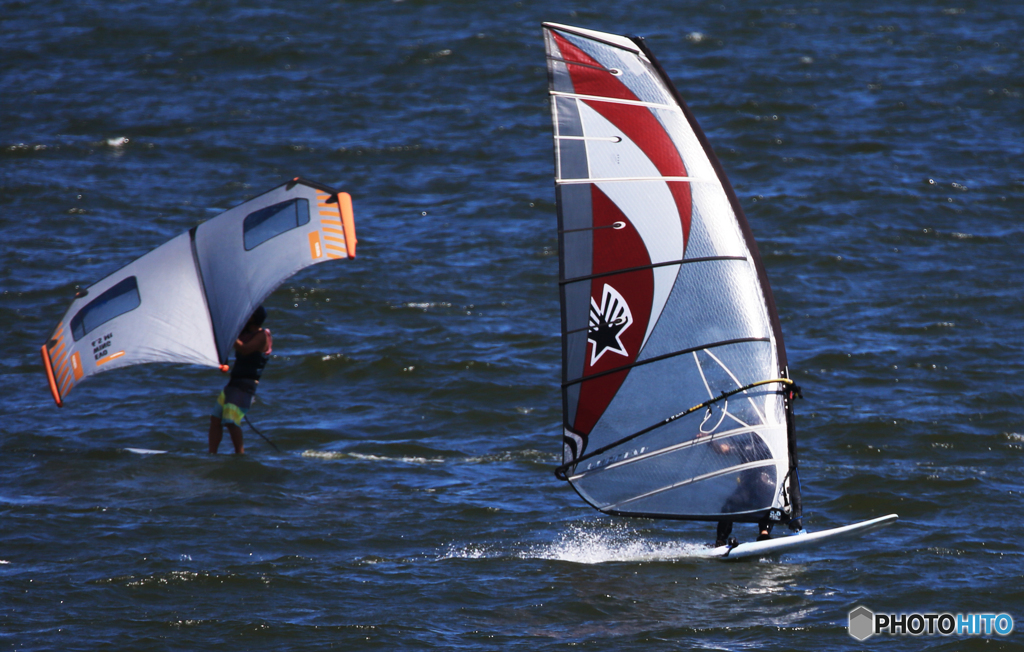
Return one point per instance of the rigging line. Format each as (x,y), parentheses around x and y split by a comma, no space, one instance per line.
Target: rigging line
(737,381)
(700,368)
(659,358)
(707,415)
(684,261)
(616,100)
(261,434)
(572,182)
(560,470)
(725,410)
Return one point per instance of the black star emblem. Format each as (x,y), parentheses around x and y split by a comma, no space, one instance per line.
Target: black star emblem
(605,335)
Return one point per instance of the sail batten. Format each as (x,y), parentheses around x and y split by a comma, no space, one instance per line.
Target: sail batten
(662,358)
(681,261)
(616,100)
(665,303)
(597,180)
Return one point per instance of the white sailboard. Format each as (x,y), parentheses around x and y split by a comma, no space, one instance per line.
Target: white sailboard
(798,541)
(145,451)
(676,395)
(187,300)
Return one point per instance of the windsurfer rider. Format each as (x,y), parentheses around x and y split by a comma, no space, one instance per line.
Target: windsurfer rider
(749,483)
(252,351)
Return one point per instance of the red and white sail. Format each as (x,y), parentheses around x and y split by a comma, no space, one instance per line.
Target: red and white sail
(665,304)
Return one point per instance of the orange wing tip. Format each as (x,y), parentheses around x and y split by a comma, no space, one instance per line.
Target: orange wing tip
(348,222)
(224,368)
(50,378)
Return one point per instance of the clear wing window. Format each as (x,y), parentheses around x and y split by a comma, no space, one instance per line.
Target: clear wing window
(274,220)
(116,301)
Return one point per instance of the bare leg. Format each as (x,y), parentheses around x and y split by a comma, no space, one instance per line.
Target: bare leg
(236,438)
(216,433)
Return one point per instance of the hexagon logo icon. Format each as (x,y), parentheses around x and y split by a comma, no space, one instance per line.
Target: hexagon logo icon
(862,623)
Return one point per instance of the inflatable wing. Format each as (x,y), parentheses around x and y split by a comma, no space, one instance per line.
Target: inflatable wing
(187,300)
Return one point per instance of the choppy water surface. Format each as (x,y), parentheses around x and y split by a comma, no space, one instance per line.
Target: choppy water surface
(414,391)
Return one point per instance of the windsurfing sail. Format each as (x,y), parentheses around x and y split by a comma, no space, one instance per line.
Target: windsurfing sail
(187,300)
(676,396)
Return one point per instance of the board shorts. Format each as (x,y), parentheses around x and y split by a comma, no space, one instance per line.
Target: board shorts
(234,401)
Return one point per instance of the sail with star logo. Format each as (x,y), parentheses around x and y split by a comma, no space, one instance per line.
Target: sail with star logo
(677,401)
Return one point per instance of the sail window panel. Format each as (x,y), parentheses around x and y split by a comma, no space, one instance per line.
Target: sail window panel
(572,159)
(571,400)
(576,305)
(567,117)
(745,409)
(712,301)
(123,297)
(575,347)
(577,253)
(266,223)
(560,79)
(695,430)
(748,491)
(657,390)
(722,426)
(575,208)
(659,467)
(629,476)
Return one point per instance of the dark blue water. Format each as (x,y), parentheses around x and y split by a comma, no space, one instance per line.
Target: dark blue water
(877,149)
